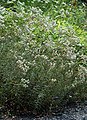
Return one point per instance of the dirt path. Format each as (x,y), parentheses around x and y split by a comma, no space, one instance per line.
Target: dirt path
(78,112)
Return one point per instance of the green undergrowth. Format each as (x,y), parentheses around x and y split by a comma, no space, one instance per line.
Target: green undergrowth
(43,57)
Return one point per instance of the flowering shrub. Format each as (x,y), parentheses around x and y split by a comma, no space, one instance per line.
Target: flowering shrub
(40,58)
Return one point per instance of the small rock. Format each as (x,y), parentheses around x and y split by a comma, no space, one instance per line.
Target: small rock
(85,110)
(76,110)
(85,118)
(72,119)
(85,102)
(65,116)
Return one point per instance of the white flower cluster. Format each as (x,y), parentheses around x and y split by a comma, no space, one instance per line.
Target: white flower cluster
(25,82)
(71,54)
(23,65)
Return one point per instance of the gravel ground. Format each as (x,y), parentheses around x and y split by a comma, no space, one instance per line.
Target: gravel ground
(78,112)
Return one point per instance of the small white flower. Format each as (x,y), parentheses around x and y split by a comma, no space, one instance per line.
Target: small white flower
(53,80)
(70,96)
(44,56)
(73,85)
(25,85)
